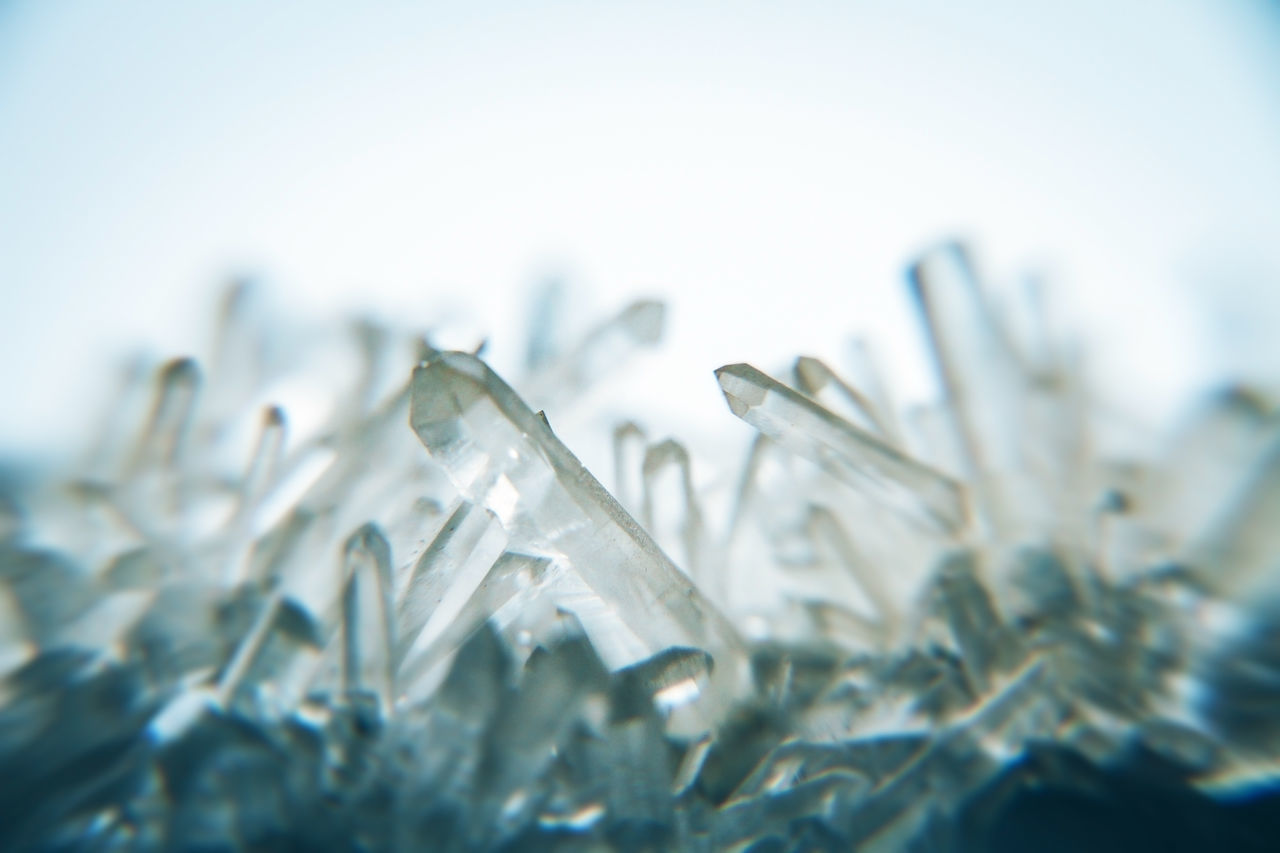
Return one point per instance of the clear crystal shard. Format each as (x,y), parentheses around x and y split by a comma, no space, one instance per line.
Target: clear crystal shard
(639,325)
(1223,436)
(44,589)
(766,818)
(974,359)
(1018,428)
(165,436)
(966,606)
(868,378)
(441,582)
(517,597)
(558,683)
(629,444)
(265,462)
(668,679)
(638,775)
(820,382)
(500,455)
(545,320)
(671,509)
(453,741)
(826,528)
(368,616)
(269,671)
(861,459)
(1242,550)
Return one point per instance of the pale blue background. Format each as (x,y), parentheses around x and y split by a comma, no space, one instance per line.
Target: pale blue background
(769,166)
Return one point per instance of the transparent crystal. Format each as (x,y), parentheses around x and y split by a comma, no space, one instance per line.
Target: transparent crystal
(851,453)
(502,456)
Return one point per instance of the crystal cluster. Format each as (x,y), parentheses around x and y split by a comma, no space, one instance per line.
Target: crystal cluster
(425,625)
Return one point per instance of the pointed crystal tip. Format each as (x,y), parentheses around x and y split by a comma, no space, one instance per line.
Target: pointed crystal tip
(645,319)
(741,386)
(273,416)
(180,371)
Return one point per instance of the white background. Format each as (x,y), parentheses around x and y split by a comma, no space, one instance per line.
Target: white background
(768,167)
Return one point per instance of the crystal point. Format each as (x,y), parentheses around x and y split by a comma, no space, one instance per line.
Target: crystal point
(814,378)
(440,583)
(858,457)
(368,621)
(638,325)
(973,357)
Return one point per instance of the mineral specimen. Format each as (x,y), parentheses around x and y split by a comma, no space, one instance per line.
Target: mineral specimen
(423,624)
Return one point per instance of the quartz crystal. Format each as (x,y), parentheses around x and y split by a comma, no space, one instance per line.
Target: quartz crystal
(402,615)
(631,599)
(801,425)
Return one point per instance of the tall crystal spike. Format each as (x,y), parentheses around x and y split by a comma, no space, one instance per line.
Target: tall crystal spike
(266,461)
(859,458)
(546,316)
(963,601)
(504,457)
(443,579)
(973,357)
(824,526)
(514,598)
(368,623)
(661,462)
(981,375)
(277,657)
(162,440)
(629,443)
(869,378)
(1224,435)
(1242,551)
(640,324)
(815,377)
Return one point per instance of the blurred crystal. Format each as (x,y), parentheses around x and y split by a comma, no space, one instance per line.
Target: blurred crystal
(368,620)
(671,509)
(441,581)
